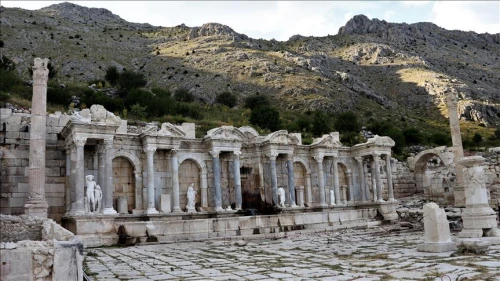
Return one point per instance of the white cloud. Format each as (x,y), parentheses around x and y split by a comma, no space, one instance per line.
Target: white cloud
(468,15)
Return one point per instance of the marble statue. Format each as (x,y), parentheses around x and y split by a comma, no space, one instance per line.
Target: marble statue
(281,196)
(332,197)
(191,196)
(91,202)
(98,198)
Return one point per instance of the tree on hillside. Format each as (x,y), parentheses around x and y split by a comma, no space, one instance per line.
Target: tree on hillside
(226,98)
(321,124)
(266,117)
(131,80)
(347,122)
(257,100)
(112,75)
(183,95)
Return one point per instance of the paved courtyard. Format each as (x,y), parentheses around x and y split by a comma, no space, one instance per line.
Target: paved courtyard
(363,254)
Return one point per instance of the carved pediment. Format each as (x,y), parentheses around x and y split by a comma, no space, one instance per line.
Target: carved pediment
(281,137)
(331,140)
(168,129)
(249,132)
(226,133)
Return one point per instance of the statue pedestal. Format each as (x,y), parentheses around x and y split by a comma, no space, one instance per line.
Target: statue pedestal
(36,208)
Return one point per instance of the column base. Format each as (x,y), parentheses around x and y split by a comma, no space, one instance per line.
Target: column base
(219,209)
(436,247)
(178,210)
(323,205)
(151,211)
(36,208)
(109,211)
(191,210)
(380,201)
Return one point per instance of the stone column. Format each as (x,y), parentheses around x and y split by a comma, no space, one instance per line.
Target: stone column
(217,188)
(36,205)
(321,176)
(291,182)
(204,190)
(67,189)
(390,187)
(101,170)
(150,152)
(361,171)
(79,176)
(237,180)
(107,189)
(309,190)
(458,151)
(336,185)
(378,180)
(274,177)
(175,182)
(138,192)
(300,196)
(349,186)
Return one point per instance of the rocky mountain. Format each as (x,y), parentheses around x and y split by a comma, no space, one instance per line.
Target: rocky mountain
(395,70)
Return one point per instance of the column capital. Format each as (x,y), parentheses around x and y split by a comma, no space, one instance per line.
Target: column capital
(215,153)
(272,155)
(149,150)
(174,152)
(40,71)
(79,141)
(376,155)
(289,157)
(237,154)
(100,148)
(108,143)
(359,159)
(318,158)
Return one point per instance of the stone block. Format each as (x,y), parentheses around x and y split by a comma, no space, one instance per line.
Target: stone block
(52,120)
(437,231)
(165,203)
(122,129)
(5,112)
(68,260)
(12,135)
(122,205)
(63,120)
(16,265)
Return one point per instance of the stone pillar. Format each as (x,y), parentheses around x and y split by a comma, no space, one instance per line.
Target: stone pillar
(138,192)
(150,152)
(300,196)
(378,180)
(274,177)
(291,182)
(107,189)
(361,171)
(217,188)
(458,151)
(68,187)
(175,182)
(336,185)
(390,187)
(79,208)
(204,190)
(101,170)
(309,189)
(36,205)
(437,231)
(349,186)
(321,176)
(237,180)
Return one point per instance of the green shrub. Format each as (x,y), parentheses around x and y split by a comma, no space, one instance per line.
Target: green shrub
(347,122)
(131,80)
(257,100)
(440,138)
(413,136)
(183,95)
(112,75)
(226,98)
(138,111)
(266,117)
(321,124)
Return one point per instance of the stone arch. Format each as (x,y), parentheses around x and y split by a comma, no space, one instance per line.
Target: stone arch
(300,174)
(344,180)
(195,158)
(137,171)
(134,160)
(303,162)
(419,164)
(124,183)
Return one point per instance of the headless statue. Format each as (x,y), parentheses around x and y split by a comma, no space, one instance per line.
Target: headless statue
(281,196)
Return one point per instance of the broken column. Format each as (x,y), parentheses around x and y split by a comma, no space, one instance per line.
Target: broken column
(36,205)
(437,231)
(478,217)
(458,151)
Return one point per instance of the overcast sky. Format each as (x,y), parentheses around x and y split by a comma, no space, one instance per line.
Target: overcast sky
(281,20)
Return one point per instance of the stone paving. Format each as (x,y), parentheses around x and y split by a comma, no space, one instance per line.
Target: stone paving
(362,254)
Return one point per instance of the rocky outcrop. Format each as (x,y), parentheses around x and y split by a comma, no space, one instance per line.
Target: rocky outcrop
(215,29)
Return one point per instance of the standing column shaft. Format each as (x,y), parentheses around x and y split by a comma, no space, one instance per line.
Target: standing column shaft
(79,176)
(378,180)
(217,188)
(150,151)
(336,185)
(175,183)
(350,188)
(361,178)
(204,190)
(309,190)
(36,205)
(390,187)
(458,151)
(321,177)
(274,178)
(291,180)
(237,180)
(67,188)
(107,190)
(101,172)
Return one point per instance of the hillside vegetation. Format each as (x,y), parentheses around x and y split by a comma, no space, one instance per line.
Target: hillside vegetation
(390,77)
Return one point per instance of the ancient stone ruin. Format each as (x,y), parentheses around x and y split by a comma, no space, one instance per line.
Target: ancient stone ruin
(437,231)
